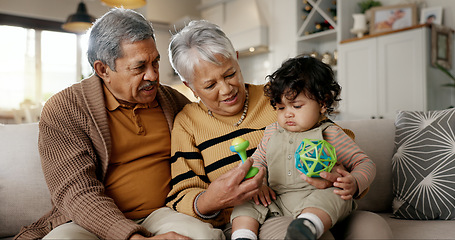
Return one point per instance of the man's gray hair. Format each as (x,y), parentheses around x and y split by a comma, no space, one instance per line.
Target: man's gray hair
(114,27)
(199,40)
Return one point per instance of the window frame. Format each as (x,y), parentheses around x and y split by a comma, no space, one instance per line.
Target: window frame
(40,25)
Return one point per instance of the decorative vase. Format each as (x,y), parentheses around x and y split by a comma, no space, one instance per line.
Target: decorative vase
(360,24)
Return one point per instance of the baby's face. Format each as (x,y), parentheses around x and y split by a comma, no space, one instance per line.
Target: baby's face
(300,114)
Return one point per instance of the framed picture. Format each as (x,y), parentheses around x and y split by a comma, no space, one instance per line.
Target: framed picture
(441,46)
(431,15)
(390,18)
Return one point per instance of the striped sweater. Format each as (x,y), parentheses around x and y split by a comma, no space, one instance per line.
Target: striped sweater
(200,148)
(348,154)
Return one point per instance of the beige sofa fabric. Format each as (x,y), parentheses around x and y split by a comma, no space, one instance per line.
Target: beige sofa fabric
(376,137)
(24,196)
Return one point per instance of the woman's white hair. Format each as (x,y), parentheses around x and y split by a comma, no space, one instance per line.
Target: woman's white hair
(199,40)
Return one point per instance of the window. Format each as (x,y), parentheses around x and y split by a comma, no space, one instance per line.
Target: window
(35,64)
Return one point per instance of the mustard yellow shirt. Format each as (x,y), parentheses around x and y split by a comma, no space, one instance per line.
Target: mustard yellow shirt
(139,167)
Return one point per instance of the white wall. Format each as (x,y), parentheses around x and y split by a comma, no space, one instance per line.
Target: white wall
(169,12)
(282,30)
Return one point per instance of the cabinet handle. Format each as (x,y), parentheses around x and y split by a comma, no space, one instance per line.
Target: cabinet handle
(381,117)
(373,117)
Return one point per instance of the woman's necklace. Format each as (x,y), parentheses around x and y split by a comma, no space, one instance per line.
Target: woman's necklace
(245,109)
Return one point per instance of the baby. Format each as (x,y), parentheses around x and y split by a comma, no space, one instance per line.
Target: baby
(304,92)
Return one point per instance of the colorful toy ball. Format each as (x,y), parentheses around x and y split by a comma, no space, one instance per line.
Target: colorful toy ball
(315,156)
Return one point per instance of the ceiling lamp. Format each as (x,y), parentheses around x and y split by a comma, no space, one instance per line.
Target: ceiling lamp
(131,4)
(79,22)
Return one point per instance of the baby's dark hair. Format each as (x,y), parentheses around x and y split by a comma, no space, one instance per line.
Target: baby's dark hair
(304,74)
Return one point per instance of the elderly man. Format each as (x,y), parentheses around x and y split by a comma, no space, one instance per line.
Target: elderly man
(105,144)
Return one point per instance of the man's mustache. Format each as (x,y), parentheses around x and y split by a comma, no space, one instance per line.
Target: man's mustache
(148,85)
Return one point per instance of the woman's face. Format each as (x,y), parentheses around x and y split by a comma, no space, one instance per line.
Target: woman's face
(220,88)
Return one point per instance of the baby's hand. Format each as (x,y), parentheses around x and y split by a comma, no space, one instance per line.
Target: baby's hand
(265,196)
(347,183)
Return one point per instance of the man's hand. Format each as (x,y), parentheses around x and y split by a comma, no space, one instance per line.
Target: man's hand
(169,235)
(230,189)
(347,184)
(265,196)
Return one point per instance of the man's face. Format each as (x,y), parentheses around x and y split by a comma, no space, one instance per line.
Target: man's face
(136,78)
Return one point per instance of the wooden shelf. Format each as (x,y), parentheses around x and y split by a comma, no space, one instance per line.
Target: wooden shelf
(383,33)
(331,33)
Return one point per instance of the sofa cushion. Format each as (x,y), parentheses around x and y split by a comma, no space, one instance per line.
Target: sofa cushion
(376,138)
(424,165)
(24,196)
(419,229)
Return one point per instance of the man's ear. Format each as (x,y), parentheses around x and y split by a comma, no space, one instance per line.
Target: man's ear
(101,70)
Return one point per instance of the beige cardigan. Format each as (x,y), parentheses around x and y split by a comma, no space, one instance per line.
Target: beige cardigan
(74,145)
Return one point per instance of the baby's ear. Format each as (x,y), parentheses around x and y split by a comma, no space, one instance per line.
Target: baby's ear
(323,109)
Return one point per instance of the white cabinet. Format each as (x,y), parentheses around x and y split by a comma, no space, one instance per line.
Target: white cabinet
(357,76)
(382,75)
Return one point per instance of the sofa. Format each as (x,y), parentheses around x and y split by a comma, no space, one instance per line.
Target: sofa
(24,196)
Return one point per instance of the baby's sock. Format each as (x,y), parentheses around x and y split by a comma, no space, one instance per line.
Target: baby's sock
(318,226)
(243,234)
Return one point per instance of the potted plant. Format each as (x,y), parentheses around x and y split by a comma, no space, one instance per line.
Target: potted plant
(448,73)
(367,4)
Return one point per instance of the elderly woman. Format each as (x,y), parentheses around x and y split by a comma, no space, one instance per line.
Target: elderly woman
(206,177)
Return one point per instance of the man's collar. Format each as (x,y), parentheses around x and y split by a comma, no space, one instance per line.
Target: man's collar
(113,103)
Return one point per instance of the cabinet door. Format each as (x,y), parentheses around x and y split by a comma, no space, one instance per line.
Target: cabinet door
(357,77)
(401,72)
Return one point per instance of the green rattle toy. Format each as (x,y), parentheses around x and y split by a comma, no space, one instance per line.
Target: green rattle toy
(239,145)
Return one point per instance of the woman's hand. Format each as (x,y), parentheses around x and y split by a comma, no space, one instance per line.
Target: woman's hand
(347,184)
(230,189)
(265,196)
(326,180)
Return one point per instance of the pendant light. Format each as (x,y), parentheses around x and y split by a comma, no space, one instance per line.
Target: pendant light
(131,4)
(79,22)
